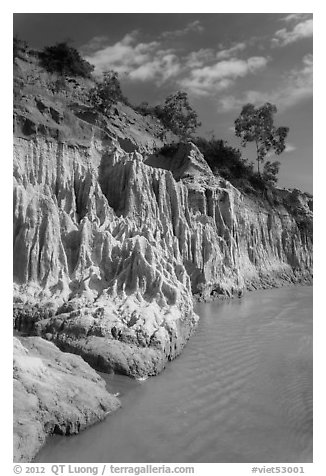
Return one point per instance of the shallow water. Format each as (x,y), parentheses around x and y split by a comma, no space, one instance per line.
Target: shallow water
(240,392)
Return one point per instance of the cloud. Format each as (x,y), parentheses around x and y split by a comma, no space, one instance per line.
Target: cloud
(227,53)
(221,75)
(195,59)
(204,72)
(300,82)
(138,61)
(193,27)
(301,30)
(96,43)
(295,87)
(199,71)
(125,56)
(164,66)
(295,17)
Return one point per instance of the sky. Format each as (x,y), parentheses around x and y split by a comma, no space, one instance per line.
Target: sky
(221,60)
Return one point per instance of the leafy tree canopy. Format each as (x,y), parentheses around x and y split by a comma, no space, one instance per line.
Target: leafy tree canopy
(270,172)
(257,125)
(177,115)
(106,92)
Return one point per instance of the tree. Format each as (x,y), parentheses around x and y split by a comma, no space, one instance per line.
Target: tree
(106,92)
(63,59)
(257,125)
(177,115)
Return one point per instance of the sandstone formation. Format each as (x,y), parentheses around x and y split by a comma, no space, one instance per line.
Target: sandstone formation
(112,240)
(53,393)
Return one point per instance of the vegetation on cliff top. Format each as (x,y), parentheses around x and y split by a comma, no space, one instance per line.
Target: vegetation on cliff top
(177,115)
(64,59)
(106,93)
(228,162)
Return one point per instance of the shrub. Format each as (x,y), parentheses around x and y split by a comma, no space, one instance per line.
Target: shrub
(169,150)
(65,60)
(60,84)
(106,92)
(20,48)
(257,182)
(145,109)
(228,162)
(220,156)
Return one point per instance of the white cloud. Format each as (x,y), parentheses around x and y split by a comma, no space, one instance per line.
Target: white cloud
(96,43)
(164,66)
(301,30)
(141,61)
(300,82)
(296,86)
(221,75)
(197,71)
(195,59)
(192,27)
(227,53)
(292,17)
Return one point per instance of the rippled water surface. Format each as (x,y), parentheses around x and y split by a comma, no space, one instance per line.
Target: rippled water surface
(240,392)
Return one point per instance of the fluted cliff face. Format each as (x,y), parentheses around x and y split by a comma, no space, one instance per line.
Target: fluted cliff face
(111,241)
(94,245)
(108,249)
(235,242)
